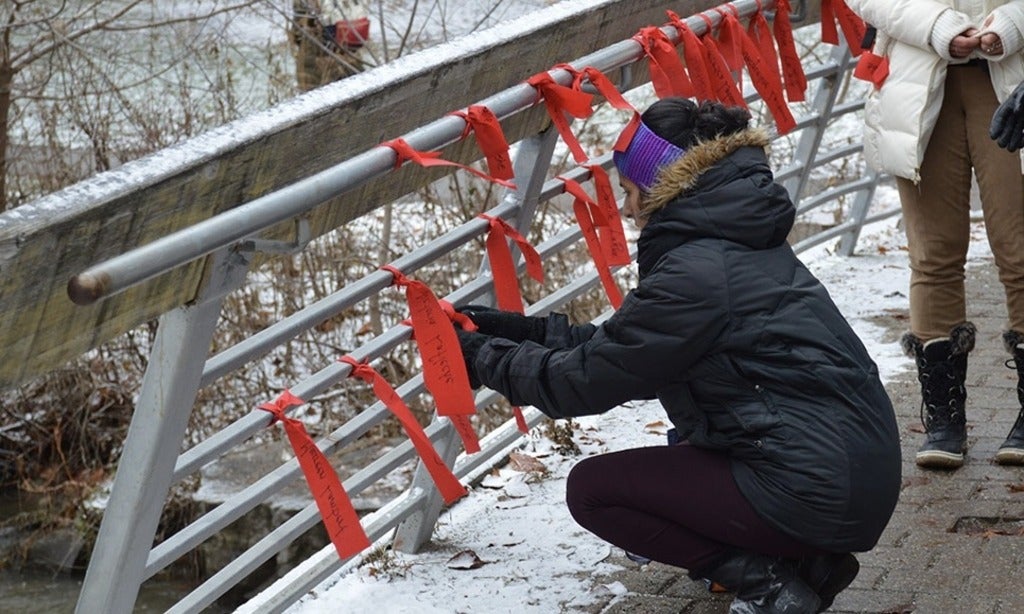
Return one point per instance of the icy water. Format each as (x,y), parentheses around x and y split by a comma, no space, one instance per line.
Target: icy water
(44,593)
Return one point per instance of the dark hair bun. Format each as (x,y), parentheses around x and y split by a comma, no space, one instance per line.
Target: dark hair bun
(683,122)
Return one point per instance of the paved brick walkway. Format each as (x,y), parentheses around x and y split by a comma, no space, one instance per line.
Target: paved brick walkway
(956,542)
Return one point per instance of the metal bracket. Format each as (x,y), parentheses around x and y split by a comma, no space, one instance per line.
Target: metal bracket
(625,81)
(303,236)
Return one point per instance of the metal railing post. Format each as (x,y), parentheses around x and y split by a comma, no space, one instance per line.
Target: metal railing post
(533,158)
(169,388)
(821,108)
(858,213)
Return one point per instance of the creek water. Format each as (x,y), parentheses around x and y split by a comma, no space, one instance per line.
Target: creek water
(33,589)
(40,592)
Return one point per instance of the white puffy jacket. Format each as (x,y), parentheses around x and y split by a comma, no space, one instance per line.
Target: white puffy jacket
(915,35)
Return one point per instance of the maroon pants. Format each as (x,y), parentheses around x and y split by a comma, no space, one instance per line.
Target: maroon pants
(677,505)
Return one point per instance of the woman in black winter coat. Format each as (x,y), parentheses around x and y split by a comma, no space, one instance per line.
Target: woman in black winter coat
(790,457)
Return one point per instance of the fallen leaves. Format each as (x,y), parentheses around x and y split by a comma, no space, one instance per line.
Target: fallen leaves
(467,559)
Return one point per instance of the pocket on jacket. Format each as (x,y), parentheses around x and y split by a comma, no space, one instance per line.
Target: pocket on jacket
(758,414)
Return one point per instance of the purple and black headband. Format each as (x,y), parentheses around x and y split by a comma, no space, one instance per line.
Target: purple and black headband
(644,156)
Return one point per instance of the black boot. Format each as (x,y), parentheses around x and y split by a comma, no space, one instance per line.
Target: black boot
(942,370)
(828,574)
(1012,450)
(763,585)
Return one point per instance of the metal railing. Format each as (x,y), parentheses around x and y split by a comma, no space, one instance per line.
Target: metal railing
(180,367)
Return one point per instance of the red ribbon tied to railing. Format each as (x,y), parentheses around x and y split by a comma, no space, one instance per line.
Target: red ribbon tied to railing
(601,83)
(668,76)
(499,254)
(696,58)
(763,78)
(336,510)
(873,68)
(559,100)
(730,39)
(444,369)
(448,485)
(761,33)
(491,139)
(427,159)
(506,282)
(610,230)
(853,26)
(793,76)
(726,90)
(587,211)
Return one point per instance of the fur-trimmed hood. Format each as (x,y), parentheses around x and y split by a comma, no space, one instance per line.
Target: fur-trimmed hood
(682,175)
(722,188)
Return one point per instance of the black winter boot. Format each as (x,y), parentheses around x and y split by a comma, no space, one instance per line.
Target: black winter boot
(763,585)
(942,370)
(828,574)
(1012,450)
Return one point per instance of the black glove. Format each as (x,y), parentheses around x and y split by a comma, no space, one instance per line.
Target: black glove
(1007,128)
(471,344)
(507,324)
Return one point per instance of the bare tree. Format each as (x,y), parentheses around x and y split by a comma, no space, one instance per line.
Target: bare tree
(55,54)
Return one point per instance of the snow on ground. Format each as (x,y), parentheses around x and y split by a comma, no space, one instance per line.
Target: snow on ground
(532,556)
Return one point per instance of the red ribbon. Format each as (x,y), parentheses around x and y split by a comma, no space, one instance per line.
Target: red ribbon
(559,100)
(696,58)
(668,76)
(763,79)
(587,211)
(506,282)
(872,68)
(427,159)
(760,32)
(829,32)
(730,39)
(725,87)
(610,232)
(491,139)
(449,486)
(499,253)
(603,85)
(853,26)
(793,76)
(336,511)
(444,369)
(626,136)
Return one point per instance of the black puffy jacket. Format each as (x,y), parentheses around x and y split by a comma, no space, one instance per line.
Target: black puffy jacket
(743,347)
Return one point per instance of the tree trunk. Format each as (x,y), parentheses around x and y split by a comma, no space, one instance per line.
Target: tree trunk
(6,77)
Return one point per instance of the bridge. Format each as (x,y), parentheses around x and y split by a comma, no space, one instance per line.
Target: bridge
(492,122)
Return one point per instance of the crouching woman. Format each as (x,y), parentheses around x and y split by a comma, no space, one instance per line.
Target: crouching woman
(789,459)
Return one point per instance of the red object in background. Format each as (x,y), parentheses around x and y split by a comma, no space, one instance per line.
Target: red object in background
(352,33)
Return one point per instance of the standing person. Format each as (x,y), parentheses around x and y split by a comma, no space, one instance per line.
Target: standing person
(328,37)
(790,458)
(950,62)
(1007,129)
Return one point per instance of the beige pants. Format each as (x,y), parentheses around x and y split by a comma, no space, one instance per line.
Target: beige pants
(937,211)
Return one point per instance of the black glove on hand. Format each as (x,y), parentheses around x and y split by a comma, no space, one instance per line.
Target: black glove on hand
(471,344)
(1007,128)
(506,324)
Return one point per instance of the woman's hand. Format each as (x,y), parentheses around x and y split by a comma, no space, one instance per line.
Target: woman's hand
(990,43)
(506,324)
(1007,128)
(965,43)
(471,343)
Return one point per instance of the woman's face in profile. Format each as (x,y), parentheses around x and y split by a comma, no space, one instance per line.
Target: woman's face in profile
(631,207)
